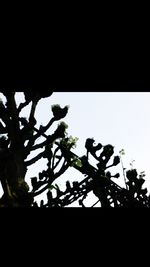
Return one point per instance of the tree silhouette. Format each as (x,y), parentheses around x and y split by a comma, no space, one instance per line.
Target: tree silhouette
(18,139)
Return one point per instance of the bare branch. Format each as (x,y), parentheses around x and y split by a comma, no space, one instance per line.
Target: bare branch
(33,108)
(49,182)
(41,190)
(33,160)
(50,140)
(22,105)
(43,129)
(63,169)
(40,132)
(57,149)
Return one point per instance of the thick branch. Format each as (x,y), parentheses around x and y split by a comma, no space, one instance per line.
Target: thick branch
(22,105)
(50,140)
(44,188)
(62,170)
(46,127)
(33,108)
(41,190)
(40,132)
(33,160)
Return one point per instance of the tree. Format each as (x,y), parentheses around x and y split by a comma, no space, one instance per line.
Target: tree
(18,139)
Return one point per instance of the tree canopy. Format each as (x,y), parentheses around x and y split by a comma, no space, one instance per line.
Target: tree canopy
(18,138)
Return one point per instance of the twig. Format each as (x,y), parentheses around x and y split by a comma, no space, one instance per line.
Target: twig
(95,203)
(123,171)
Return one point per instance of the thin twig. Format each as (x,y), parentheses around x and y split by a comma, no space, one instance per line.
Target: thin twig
(123,171)
(95,203)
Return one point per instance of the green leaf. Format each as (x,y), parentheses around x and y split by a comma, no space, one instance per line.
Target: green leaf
(51,187)
(77,162)
(122,152)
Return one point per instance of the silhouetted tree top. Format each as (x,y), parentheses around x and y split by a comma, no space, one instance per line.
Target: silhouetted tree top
(18,139)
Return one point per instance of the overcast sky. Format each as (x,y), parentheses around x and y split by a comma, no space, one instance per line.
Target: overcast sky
(120,119)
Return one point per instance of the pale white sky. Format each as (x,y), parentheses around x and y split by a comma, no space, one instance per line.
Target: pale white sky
(120,119)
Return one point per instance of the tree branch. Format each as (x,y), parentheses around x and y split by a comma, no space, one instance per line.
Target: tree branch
(44,188)
(63,169)
(22,105)
(40,132)
(33,108)
(33,160)
(50,140)
(57,149)
(46,127)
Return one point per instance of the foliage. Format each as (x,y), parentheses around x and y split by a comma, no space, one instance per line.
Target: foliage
(18,139)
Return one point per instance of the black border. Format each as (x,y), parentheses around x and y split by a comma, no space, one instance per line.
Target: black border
(78,85)
(123,72)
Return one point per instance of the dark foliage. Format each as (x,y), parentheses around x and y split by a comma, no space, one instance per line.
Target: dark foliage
(18,140)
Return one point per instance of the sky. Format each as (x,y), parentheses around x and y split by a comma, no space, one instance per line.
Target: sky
(121,119)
